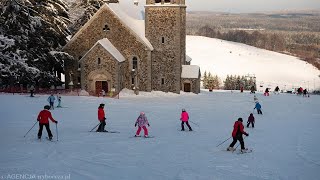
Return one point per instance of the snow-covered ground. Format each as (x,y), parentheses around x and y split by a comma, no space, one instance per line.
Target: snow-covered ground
(270,68)
(285,140)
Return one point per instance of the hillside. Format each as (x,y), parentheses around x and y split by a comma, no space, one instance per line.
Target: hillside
(270,68)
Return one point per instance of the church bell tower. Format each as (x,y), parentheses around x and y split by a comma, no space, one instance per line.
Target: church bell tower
(165,23)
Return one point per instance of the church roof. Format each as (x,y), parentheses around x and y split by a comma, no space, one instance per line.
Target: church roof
(188,58)
(190,71)
(107,45)
(136,27)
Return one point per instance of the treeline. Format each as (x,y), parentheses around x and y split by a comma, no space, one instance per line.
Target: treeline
(236,82)
(232,82)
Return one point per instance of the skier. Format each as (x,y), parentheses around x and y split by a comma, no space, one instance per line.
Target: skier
(102,118)
(237,135)
(258,107)
(305,92)
(59,100)
(276,90)
(51,100)
(250,120)
(142,122)
(252,90)
(184,119)
(266,92)
(255,99)
(31,91)
(43,117)
(241,89)
(103,92)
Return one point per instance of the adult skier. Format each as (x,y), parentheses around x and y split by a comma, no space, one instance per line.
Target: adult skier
(237,132)
(102,118)
(43,117)
(276,90)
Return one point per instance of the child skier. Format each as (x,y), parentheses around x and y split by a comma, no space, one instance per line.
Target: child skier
(266,92)
(184,119)
(142,122)
(237,135)
(258,107)
(43,117)
(101,118)
(59,101)
(255,99)
(51,100)
(250,120)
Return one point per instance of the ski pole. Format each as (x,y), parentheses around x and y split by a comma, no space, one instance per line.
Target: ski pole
(57,131)
(223,141)
(95,127)
(30,129)
(194,123)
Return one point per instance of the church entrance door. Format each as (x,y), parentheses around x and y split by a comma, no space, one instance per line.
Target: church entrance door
(187,87)
(101,85)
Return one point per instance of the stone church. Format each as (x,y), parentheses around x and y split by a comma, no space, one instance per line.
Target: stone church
(113,51)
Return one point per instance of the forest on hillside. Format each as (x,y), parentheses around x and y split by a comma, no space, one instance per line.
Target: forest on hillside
(294,33)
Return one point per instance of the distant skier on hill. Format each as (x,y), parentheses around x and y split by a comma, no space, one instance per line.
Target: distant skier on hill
(184,119)
(305,92)
(59,100)
(255,99)
(43,117)
(31,91)
(266,92)
(258,107)
(250,120)
(253,89)
(101,118)
(237,132)
(276,90)
(142,122)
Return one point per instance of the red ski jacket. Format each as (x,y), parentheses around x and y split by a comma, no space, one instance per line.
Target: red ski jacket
(44,115)
(238,129)
(101,114)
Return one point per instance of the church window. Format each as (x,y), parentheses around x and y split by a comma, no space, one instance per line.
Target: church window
(106,28)
(79,65)
(167,1)
(99,61)
(132,81)
(162,81)
(134,63)
(80,57)
(158,1)
(162,40)
(79,79)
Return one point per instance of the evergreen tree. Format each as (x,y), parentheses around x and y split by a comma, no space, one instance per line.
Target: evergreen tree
(205,80)
(37,30)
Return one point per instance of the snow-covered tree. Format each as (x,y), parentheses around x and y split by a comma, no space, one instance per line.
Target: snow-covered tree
(35,28)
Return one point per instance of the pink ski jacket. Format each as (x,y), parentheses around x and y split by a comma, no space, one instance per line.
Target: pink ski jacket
(142,121)
(184,116)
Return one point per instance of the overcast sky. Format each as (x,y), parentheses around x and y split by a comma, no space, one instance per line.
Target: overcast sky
(246,5)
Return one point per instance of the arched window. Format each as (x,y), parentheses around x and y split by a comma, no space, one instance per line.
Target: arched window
(162,40)
(134,63)
(99,61)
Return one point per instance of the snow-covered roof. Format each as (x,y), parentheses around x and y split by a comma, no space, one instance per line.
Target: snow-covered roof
(190,71)
(107,45)
(188,58)
(136,27)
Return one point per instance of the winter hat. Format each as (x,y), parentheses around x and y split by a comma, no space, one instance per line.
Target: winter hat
(47,107)
(141,113)
(101,105)
(251,114)
(183,110)
(240,119)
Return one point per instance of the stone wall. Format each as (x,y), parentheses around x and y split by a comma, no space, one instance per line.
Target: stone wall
(195,84)
(107,70)
(166,22)
(121,37)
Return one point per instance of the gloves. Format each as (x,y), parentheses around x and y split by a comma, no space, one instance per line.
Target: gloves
(104,118)
(135,125)
(148,124)
(56,122)
(247,134)
(38,119)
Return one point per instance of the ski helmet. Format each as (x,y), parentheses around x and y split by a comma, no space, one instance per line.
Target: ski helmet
(47,107)
(240,119)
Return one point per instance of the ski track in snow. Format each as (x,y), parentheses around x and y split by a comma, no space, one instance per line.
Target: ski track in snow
(284,140)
